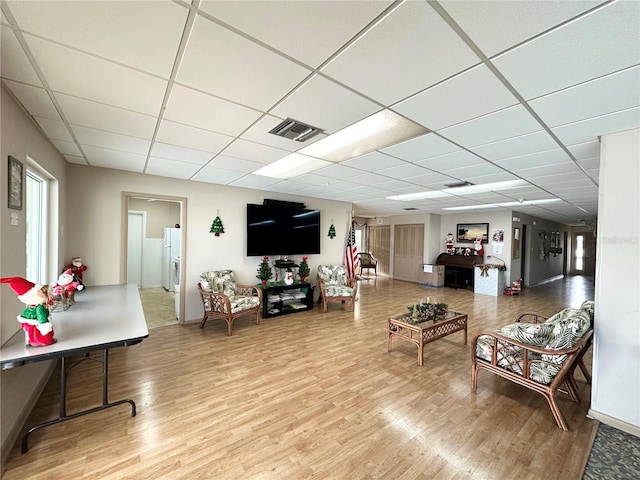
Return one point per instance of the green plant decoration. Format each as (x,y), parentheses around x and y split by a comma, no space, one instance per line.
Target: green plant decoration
(264,270)
(217,227)
(332,231)
(303,269)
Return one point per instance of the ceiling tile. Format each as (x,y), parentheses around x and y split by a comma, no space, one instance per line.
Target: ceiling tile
(54,129)
(210,113)
(148,33)
(76,160)
(495,177)
(15,64)
(507,123)
(217,175)
(372,162)
(602,42)
(315,102)
(338,171)
(401,43)
(433,180)
(67,148)
(516,21)
(539,159)
(325,25)
(255,152)
(105,158)
(105,117)
(477,170)
(223,63)
(589,130)
(477,92)
(192,137)
(259,133)
(586,150)
(113,141)
(170,168)
(608,94)
(255,181)
(458,159)
(519,145)
(420,148)
(180,154)
(555,169)
(235,164)
(404,172)
(35,100)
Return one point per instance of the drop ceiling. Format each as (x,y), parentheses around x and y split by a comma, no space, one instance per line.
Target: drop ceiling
(190,90)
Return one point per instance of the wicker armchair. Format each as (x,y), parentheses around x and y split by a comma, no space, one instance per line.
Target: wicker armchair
(223,298)
(368,261)
(335,286)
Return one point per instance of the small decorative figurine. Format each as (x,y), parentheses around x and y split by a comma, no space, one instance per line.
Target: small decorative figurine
(77,269)
(66,287)
(448,244)
(477,246)
(34,319)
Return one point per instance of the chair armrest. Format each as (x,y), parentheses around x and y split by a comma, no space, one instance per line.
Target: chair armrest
(249,291)
(530,317)
(497,337)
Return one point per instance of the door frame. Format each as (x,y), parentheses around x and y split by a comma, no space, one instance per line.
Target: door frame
(125,196)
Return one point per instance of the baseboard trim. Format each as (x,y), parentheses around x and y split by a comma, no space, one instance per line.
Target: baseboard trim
(614,422)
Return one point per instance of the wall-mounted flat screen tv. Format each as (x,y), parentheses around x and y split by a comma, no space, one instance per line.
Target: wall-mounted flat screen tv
(276,230)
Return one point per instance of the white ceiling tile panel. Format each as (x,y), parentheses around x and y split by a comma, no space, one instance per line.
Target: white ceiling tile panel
(507,123)
(254,151)
(69,71)
(255,181)
(395,185)
(558,168)
(148,33)
(433,179)
(608,94)
(602,42)
(67,148)
(495,177)
(75,159)
(586,150)
(516,146)
(477,92)
(590,163)
(235,164)
(170,168)
(192,137)
(15,64)
(420,148)
(217,175)
(516,21)
(113,141)
(370,180)
(402,43)
(404,172)
(372,162)
(450,161)
(197,109)
(105,158)
(35,100)
(325,25)
(540,159)
(180,154)
(54,129)
(259,133)
(226,64)
(288,186)
(338,171)
(105,117)
(590,129)
(477,170)
(315,102)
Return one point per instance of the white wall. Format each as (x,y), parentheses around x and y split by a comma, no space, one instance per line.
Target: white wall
(96,220)
(615,396)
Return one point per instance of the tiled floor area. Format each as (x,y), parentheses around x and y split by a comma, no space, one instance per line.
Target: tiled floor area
(159,307)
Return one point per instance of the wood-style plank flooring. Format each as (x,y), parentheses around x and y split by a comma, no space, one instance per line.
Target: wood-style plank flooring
(314,395)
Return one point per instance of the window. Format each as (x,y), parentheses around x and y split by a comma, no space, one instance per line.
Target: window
(36,213)
(579,253)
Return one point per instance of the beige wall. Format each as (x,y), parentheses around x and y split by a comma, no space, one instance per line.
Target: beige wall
(160,215)
(20,138)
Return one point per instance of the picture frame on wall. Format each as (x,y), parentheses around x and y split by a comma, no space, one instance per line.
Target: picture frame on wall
(468,232)
(15,191)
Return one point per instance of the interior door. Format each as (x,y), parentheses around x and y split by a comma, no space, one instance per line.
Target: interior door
(408,252)
(380,247)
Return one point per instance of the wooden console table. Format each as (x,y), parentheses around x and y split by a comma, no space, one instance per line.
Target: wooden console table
(101,318)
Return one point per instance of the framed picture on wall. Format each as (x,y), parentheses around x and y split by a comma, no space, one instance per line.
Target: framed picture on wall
(15,192)
(468,232)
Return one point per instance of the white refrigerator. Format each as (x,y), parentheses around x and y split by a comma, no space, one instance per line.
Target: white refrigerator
(170,258)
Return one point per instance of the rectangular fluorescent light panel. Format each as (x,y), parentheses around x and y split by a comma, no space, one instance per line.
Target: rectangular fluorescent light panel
(466,190)
(377,131)
(505,204)
(291,166)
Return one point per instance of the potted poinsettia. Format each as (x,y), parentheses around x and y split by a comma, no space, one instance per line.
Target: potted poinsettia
(264,270)
(303,269)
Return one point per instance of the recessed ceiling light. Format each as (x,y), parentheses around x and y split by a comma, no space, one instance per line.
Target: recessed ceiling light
(291,166)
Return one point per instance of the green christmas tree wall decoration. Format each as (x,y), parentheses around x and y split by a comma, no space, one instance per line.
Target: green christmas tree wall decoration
(332,231)
(216,227)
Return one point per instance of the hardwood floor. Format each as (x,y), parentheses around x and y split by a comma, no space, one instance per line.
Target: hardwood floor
(315,395)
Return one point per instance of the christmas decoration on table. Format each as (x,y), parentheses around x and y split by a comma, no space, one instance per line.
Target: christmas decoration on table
(332,231)
(216,227)
(34,319)
(514,289)
(63,291)
(77,269)
(477,246)
(448,244)
(264,270)
(467,252)
(303,269)
(427,310)
(485,267)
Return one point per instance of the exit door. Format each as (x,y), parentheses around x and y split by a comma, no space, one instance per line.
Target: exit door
(583,254)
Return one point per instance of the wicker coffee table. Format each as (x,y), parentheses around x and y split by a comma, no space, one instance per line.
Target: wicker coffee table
(402,326)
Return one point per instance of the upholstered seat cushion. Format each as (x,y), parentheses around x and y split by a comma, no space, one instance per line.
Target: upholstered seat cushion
(333,275)
(339,291)
(220,281)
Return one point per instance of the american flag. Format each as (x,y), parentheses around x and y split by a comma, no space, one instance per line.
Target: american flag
(351,253)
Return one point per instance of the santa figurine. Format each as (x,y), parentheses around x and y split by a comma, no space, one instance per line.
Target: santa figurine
(477,246)
(77,269)
(66,286)
(448,244)
(34,319)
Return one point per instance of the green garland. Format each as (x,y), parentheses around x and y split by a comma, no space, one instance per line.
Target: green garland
(484,268)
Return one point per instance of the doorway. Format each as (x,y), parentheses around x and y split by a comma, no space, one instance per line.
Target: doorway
(408,252)
(148,217)
(583,254)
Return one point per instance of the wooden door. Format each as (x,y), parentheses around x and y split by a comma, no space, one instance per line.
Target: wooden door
(379,243)
(408,252)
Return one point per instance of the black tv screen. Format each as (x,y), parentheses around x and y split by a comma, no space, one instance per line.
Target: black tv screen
(275,230)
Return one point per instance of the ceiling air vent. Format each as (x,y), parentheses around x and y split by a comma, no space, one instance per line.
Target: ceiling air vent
(294,130)
(410,208)
(458,184)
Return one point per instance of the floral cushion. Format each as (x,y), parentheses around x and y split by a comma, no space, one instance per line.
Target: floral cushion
(221,281)
(339,291)
(333,274)
(241,302)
